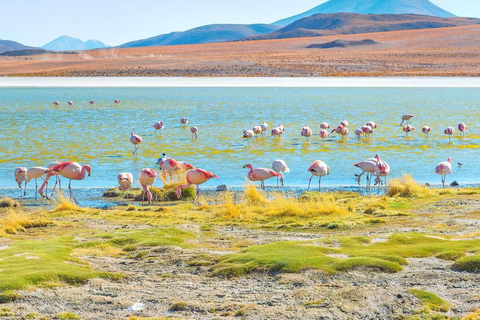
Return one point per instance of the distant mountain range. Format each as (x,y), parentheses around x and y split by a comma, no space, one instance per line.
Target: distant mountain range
(352,23)
(7,45)
(205,34)
(66,43)
(421,7)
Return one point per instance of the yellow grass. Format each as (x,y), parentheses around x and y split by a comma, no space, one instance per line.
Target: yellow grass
(64,204)
(407,187)
(15,221)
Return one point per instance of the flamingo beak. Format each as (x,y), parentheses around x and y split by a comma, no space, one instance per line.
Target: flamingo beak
(245,166)
(89,173)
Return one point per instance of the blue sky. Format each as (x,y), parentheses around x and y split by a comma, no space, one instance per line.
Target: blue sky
(36,22)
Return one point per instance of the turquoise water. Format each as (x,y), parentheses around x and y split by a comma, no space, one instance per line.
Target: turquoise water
(35,133)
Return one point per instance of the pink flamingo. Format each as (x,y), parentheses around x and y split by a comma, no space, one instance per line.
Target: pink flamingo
(195,177)
(70,170)
(318,169)
(359,133)
(261,174)
(171,167)
(276,132)
(158,126)
(324,134)
(20,175)
(91,101)
(136,140)
(462,127)
(407,129)
(264,127)
(344,123)
(426,131)
(248,134)
(324,126)
(280,166)
(70,103)
(257,130)
(450,131)
(367,130)
(147,178)
(281,128)
(368,167)
(443,169)
(344,132)
(339,130)
(306,132)
(406,118)
(125,181)
(194,131)
(382,169)
(372,124)
(34,173)
(56,103)
(183,121)
(51,173)
(116,101)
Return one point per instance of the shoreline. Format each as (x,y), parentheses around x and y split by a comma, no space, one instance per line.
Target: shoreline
(239,82)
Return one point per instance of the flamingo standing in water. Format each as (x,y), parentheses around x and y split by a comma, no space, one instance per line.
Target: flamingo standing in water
(368,167)
(136,140)
(171,167)
(462,127)
(324,126)
(194,131)
(280,166)
(158,126)
(147,178)
(324,134)
(264,127)
(125,181)
(426,131)
(91,101)
(382,169)
(56,103)
(195,177)
(318,169)
(70,103)
(407,129)
(257,130)
(406,118)
(367,130)
(34,173)
(20,175)
(339,130)
(261,174)
(359,133)
(344,123)
(248,134)
(276,132)
(306,132)
(183,121)
(116,101)
(281,128)
(70,170)
(443,169)
(450,131)
(372,124)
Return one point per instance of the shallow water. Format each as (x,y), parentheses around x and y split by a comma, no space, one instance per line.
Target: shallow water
(36,133)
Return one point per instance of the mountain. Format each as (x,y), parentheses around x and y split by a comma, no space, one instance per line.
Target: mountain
(422,7)
(65,43)
(7,45)
(205,34)
(352,23)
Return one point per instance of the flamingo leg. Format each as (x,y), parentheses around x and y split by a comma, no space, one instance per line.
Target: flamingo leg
(277,183)
(360,176)
(25,190)
(143,196)
(71,192)
(282,182)
(309,181)
(319,184)
(36,189)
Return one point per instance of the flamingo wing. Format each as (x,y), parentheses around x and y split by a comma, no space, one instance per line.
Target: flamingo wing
(60,166)
(207,174)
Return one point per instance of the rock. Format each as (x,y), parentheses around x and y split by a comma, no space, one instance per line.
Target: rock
(222,187)
(454,184)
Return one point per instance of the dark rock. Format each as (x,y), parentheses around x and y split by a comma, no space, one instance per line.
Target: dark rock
(342,44)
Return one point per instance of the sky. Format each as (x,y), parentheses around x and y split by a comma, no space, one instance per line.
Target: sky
(36,22)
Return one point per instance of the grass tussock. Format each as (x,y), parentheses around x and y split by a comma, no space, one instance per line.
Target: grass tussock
(359,252)
(407,187)
(63,204)
(8,202)
(468,264)
(16,221)
(430,301)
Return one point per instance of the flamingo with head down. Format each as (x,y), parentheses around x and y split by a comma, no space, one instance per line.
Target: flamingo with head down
(367,167)
(261,174)
(248,134)
(264,127)
(280,166)
(171,167)
(34,173)
(70,103)
(194,131)
(406,118)
(195,177)
(20,175)
(147,178)
(359,133)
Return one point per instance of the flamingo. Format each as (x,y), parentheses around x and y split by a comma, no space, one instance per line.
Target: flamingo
(261,174)
(195,177)
(382,169)
(408,128)
(462,127)
(158,126)
(280,166)
(318,169)
(56,103)
(147,178)
(136,140)
(324,126)
(426,131)
(125,181)
(339,130)
(264,127)
(444,168)
(51,173)
(183,121)
(344,123)
(324,134)
(406,118)
(91,101)
(372,124)
(171,167)
(70,103)
(20,175)
(248,134)
(344,132)
(306,132)
(368,167)
(257,130)
(72,171)
(281,128)
(116,101)
(367,130)
(34,173)
(276,132)
(450,131)
(359,133)
(194,131)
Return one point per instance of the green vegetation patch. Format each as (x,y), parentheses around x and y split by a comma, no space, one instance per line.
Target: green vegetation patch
(387,255)
(431,301)
(469,264)
(167,193)
(35,262)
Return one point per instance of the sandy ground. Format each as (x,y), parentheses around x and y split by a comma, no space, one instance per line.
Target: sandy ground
(430,52)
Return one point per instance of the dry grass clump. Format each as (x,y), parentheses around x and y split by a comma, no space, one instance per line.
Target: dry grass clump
(8,202)
(407,187)
(64,204)
(15,221)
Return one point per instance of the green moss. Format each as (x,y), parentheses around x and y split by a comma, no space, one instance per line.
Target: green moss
(6,312)
(33,315)
(66,316)
(431,301)
(178,306)
(469,264)
(8,296)
(449,255)
(35,262)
